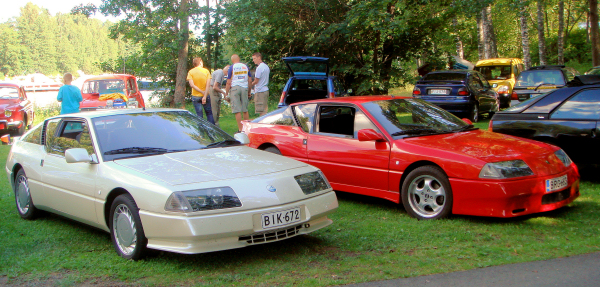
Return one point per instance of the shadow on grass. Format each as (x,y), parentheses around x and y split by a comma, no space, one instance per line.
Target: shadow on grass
(589,172)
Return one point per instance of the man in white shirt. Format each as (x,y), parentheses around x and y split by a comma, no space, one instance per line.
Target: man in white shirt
(238,88)
(261,85)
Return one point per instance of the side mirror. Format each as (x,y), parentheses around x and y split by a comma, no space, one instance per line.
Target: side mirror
(494,85)
(74,155)
(242,138)
(467,121)
(369,135)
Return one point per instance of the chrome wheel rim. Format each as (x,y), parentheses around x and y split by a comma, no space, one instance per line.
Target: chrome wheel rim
(475,113)
(426,196)
(23,195)
(124,229)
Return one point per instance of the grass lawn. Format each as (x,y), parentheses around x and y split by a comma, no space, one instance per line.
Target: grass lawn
(371,239)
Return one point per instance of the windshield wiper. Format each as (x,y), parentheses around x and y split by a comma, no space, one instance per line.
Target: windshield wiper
(466,128)
(137,150)
(228,142)
(544,84)
(415,132)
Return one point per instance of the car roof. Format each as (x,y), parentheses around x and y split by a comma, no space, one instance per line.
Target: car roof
(10,84)
(546,67)
(495,61)
(110,77)
(352,100)
(112,112)
(453,71)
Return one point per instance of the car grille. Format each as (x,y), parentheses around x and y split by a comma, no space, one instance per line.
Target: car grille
(274,235)
(556,196)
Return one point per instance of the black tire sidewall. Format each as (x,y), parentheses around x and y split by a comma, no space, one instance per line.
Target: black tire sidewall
(441,178)
(140,249)
(32,211)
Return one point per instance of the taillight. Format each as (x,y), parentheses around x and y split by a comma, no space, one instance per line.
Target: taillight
(282,97)
(514,96)
(490,125)
(416,91)
(463,92)
(503,90)
(331,95)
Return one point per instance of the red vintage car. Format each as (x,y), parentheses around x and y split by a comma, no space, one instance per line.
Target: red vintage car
(407,150)
(16,110)
(111,91)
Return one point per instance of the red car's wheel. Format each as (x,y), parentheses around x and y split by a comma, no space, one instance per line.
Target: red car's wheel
(273,150)
(426,193)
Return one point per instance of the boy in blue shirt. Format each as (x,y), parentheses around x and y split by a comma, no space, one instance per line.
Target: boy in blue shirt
(69,96)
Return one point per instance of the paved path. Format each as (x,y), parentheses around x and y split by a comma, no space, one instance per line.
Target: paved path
(582,270)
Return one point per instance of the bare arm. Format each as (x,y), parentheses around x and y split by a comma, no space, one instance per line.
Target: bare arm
(194,86)
(217,87)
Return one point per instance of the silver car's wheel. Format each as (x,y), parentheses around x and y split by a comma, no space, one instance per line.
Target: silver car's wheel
(474,116)
(23,200)
(126,228)
(426,193)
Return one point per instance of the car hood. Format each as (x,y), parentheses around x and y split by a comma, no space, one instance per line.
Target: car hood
(494,147)
(209,164)
(4,104)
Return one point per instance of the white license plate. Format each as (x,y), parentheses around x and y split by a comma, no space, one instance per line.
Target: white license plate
(280,218)
(556,183)
(438,92)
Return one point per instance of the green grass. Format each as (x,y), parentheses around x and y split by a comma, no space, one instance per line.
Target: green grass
(371,239)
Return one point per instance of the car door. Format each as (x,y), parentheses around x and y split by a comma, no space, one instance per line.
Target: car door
(70,187)
(486,94)
(574,125)
(349,164)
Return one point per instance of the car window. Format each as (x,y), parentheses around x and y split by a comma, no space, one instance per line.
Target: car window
(309,84)
(537,77)
(107,86)
(336,120)
(583,106)
(9,93)
(131,86)
(484,82)
(516,70)
(475,83)
(61,136)
(305,115)
(444,77)
(361,121)
(499,72)
(34,136)
(282,117)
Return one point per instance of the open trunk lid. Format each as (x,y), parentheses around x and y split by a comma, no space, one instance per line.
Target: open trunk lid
(306,65)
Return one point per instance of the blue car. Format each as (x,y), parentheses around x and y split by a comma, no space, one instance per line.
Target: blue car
(461,92)
(310,80)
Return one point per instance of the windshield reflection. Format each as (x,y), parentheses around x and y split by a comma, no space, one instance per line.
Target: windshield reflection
(413,117)
(168,131)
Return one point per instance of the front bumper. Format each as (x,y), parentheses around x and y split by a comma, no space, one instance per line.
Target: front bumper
(511,198)
(229,230)
(7,125)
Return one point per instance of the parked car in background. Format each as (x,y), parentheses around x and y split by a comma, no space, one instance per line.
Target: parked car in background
(593,71)
(410,151)
(16,110)
(111,92)
(540,80)
(567,117)
(165,179)
(310,80)
(501,73)
(462,92)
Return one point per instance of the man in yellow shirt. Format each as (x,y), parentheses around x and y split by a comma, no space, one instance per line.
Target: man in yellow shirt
(198,78)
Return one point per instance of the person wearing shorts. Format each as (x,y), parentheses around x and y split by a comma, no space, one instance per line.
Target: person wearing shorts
(261,85)
(238,89)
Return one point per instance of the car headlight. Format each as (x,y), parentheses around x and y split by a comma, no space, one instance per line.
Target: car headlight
(7,113)
(562,155)
(505,169)
(203,199)
(312,182)
(503,90)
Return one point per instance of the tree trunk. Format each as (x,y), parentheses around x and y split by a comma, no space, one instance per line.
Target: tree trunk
(460,52)
(524,34)
(208,36)
(594,32)
(561,28)
(480,38)
(491,35)
(540,27)
(184,35)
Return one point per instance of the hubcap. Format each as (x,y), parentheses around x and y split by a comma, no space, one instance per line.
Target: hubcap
(426,196)
(124,229)
(475,113)
(23,196)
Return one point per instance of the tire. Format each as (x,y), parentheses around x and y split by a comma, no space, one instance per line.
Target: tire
(431,182)
(126,231)
(474,114)
(25,206)
(273,149)
(23,127)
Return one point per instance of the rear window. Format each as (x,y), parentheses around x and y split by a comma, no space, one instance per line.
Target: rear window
(500,72)
(538,77)
(104,86)
(445,77)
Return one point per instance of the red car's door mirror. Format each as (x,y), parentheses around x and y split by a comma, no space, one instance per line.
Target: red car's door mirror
(467,121)
(369,135)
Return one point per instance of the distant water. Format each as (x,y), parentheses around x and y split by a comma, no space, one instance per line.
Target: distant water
(46,98)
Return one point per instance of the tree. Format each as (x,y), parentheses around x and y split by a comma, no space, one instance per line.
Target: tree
(594,32)
(540,28)
(524,33)
(561,28)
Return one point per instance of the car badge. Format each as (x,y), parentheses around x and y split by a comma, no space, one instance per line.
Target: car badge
(271,188)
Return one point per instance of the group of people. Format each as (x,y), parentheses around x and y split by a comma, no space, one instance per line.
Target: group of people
(207,89)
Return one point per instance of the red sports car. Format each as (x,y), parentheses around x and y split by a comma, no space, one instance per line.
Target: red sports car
(16,110)
(111,92)
(407,150)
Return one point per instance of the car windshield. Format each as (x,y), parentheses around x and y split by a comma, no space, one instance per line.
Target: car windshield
(535,78)
(9,93)
(524,104)
(149,133)
(102,87)
(444,77)
(499,72)
(414,117)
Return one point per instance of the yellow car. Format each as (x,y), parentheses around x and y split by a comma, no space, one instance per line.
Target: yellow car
(501,74)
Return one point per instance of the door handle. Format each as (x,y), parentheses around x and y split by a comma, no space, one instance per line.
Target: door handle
(42,162)
(304,141)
